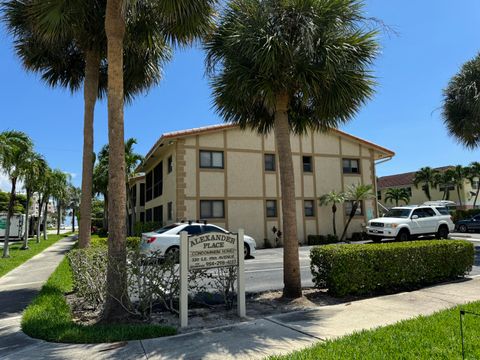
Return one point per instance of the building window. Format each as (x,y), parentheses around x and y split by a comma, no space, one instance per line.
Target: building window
(271,206)
(309,206)
(211,159)
(269,162)
(212,209)
(379,195)
(142,217)
(158,214)
(149,187)
(170,164)
(350,166)
(170,211)
(149,215)
(307,163)
(348,208)
(142,194)
(158,180)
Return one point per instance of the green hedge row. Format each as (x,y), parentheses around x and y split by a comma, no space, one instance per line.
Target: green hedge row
(133,242)
(368,268)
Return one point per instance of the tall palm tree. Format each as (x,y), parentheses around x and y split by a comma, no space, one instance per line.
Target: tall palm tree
(73,203)
(425,177)
(444,179)
(179,22)
(14,152)
(333,198)
(458,174)
(60,184)
(65,42)
(132,160)
(474,176)
(461,103)
(35,166)
(356,194)
(43,191)
(291,66)
(396,195)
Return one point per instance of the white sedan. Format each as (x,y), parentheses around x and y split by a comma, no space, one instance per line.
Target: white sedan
(166,241)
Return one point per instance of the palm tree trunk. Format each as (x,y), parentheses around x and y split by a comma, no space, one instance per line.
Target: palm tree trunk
(476,196)
(459,195)
(350,217)
(427,192)
(73,220)
(25,236)
(334,210)
(11,203)
(59,211)
(39,219)
(45,218)
(90,94)
(291,264)
(117,301)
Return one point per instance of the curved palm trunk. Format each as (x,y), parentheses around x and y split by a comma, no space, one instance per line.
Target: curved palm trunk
(117,301)
(334,211)
(291,264)
(45,218)
(25,236)
(427,192)
(350,217)
(11,203)
(92,65)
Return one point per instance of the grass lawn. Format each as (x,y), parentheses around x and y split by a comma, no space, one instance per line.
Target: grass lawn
(430,337)
(49,317)
(18,257)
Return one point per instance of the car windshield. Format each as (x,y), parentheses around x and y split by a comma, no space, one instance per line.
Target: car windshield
(165,228)
(398,213)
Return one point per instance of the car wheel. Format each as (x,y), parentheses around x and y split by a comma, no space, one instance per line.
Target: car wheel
(173,253)
(463,228)
(246,250)
(403,235)
(442,232)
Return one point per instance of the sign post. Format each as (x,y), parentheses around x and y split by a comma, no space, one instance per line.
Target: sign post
(208,251)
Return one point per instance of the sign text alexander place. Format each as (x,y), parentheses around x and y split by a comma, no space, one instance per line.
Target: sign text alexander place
(212,250)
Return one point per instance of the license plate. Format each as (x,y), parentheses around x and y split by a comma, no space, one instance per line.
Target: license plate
(376,232)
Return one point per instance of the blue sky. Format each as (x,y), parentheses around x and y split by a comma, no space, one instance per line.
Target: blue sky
(433,39)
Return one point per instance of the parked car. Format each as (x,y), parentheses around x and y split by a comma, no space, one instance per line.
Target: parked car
(406,222)
(467,225)
(166,241)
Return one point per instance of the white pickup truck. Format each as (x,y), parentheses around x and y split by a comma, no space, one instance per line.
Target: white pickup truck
(407,222)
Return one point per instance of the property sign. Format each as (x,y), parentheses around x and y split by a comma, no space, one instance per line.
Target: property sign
(3,223)
(212,250)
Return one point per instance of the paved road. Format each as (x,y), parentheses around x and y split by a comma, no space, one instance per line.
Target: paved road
(265,272)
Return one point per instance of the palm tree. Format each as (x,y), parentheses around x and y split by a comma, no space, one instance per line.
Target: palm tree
(43,191)
(74,195)
(444,179)
(66,43)
(474,176)
(290,66)
(333,198)
(132,160)
(426,177)
(461,102)
(60,183)
(35,166)
(356,194)
(458,174)
(179,22)
(100,181)
(396,195)
(14,151)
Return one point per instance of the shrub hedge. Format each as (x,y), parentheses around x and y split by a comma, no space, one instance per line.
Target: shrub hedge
(132,242)
(368,268)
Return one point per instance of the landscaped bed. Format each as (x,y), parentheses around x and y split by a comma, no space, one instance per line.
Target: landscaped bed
(426,337)
(18,257)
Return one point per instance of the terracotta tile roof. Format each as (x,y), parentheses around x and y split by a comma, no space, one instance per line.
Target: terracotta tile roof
(404,179)
(219,127)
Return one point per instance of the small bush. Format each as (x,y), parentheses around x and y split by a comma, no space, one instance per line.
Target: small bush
(133,242)
(321,239)
(363,269)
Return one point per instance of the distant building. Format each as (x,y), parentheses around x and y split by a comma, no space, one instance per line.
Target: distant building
(230,177)
(405,180)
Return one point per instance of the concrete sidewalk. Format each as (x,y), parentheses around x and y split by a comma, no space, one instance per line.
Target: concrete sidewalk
(278,334)
(19,287)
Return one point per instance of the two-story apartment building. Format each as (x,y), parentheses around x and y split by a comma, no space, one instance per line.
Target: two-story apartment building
(230,177)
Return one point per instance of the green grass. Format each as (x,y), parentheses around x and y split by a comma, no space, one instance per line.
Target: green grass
(18,257)
(430,337)
(49,317)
